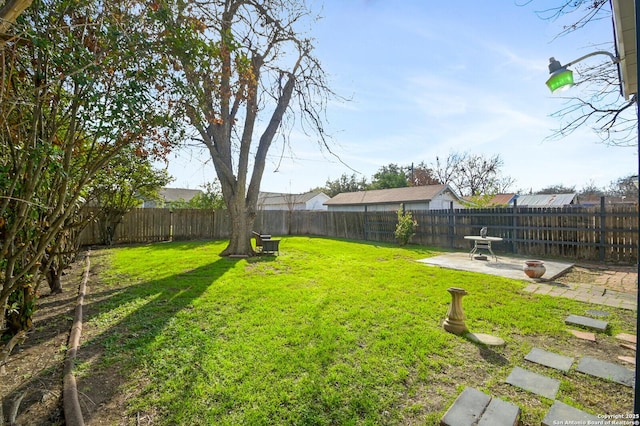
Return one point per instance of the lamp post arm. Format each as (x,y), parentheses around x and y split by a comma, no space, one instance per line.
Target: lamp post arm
(613,57)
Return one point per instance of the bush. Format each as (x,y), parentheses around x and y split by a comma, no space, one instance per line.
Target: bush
(406,227)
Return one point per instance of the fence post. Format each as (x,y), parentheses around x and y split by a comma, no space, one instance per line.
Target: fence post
(366,223)
(452,224)
(514,232)
(603,220)
(170,224)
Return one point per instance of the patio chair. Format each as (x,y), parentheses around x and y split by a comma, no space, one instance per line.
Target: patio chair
(265,244)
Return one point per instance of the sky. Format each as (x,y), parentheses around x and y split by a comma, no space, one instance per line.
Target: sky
(424,79)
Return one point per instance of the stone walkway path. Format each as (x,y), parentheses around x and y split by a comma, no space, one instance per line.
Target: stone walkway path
(473,407)
(592,293)
(607,285)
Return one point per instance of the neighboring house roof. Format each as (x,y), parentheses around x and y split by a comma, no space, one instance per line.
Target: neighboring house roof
(502,199)
(176,194)
(277,198)
(547,200)
(496,200)
(390,196)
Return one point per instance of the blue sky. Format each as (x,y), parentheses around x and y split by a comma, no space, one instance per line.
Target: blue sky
(427,78)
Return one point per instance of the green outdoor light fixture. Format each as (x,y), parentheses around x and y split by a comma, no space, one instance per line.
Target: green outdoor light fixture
(561,78)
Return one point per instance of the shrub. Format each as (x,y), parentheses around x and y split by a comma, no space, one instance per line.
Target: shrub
(406,227)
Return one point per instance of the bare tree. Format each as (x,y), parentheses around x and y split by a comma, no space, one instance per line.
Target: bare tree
(471,174)
(626,186)
(557,189)
(238,62)
(599,104)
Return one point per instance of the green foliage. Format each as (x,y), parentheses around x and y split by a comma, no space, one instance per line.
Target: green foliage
(121,185)
(21,307)
(80,83)
(480,201)
(345,184)
(406,226)
(391,176)
(211,199)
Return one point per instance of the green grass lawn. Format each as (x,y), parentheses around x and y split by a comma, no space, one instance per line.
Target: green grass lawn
(330,332)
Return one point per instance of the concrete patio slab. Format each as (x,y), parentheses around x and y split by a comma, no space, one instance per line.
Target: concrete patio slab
(549,359)
(563,414)
(534,382)
(606,370)
(508,267)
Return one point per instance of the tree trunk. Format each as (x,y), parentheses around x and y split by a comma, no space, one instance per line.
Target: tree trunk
(10,11)
(108,227)
(53,279)
(241,226)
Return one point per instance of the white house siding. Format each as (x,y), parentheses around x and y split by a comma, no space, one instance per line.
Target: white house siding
(347,208)
(286,202)
(443,202)
(317,202)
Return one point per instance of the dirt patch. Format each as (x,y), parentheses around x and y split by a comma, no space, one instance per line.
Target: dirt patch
(35,368)
(34,371)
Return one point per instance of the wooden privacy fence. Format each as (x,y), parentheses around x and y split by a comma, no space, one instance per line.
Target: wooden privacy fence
(605,234)
(588,233)
(152,225)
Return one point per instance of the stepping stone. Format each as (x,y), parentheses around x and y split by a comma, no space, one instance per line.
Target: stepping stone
(467,408)
(585,335)
(485,339)
(549,359)
(563,414)
(500,413)
(597,313)
(586,322)
(629,359)
(534,382)
(632,347)
(473,407)
(627,337)
(607,371)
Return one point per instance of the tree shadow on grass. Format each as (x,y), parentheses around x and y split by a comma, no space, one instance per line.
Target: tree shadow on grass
(110,338)
(119,343)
